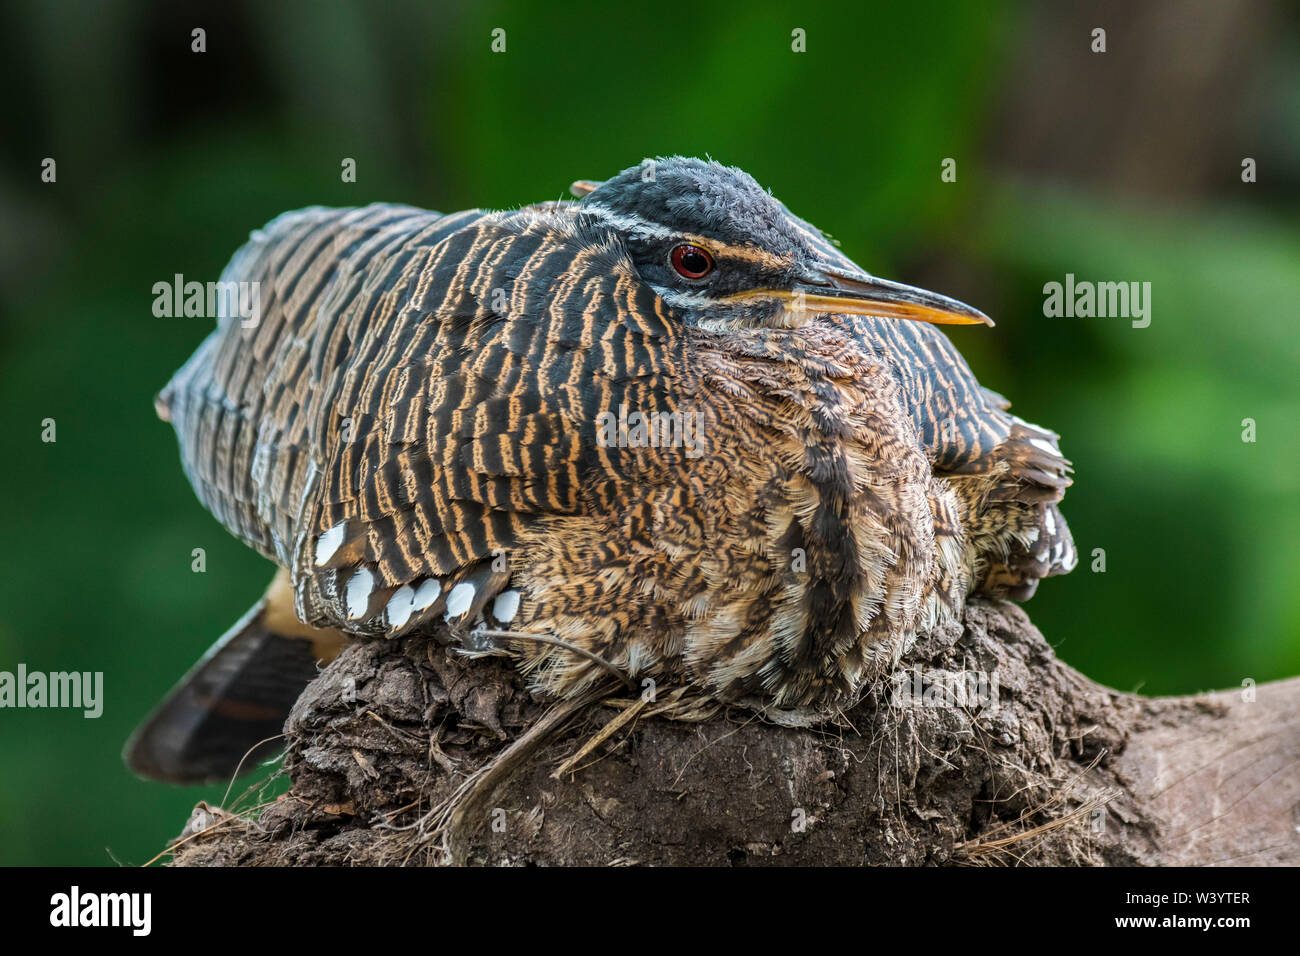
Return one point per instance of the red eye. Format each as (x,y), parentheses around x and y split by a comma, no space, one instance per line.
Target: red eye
(691,261)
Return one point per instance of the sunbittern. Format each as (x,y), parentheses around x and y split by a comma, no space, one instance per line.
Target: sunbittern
(667,429)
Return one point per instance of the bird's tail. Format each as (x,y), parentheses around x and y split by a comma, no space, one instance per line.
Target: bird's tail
(1014,527)
(1047,550)
(228,712)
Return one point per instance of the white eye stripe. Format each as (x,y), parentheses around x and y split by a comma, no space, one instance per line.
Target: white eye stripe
(632,225)
(688,300)
(638,228)
(682,300)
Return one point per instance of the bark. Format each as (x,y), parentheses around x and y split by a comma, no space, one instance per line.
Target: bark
(403,752)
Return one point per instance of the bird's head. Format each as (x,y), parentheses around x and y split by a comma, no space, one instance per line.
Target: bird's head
(714,244)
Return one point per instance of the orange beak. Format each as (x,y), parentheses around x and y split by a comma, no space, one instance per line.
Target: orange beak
(831,289)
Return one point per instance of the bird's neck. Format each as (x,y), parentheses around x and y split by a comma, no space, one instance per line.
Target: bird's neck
(848,466)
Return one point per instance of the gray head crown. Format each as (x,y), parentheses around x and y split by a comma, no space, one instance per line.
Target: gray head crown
(700,197)
(711,242)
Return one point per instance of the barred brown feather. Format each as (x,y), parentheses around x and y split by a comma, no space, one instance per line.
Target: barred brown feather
(414,430)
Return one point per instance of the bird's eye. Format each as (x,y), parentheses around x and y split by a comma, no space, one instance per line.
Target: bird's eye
(692,261)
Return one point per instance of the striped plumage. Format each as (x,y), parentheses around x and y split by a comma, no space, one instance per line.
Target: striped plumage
(419,427)
(1008,474)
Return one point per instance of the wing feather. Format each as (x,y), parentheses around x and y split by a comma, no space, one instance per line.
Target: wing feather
(418,390)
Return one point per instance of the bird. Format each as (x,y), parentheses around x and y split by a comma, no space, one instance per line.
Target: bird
(663,431)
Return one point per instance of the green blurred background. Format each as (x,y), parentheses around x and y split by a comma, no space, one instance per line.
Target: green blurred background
(1120,166)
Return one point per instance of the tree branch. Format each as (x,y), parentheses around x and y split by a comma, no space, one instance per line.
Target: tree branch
(985,749)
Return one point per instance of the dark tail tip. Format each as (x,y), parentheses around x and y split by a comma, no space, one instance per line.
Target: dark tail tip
(227,714)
